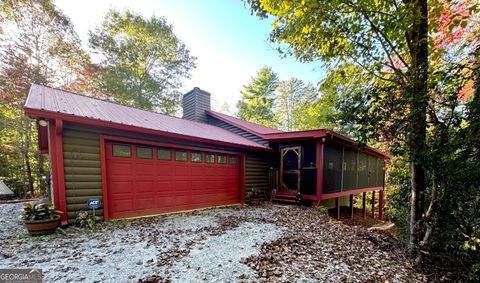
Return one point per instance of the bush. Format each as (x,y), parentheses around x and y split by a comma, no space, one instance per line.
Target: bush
(323,209)
(85,219)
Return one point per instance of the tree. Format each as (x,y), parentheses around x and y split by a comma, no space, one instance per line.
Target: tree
(388,43)
(257,102)
(224,108)
(299,107)
(143,61)
(288,98)
(39,45)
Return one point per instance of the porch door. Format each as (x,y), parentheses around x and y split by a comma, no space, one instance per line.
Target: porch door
(290,160)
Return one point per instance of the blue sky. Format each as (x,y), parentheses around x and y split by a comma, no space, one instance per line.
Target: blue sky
(230,44)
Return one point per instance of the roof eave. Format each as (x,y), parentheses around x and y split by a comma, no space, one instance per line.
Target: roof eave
(317,134)
(45,114)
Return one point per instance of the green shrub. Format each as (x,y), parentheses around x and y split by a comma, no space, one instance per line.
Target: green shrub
(85,219)
(323,209)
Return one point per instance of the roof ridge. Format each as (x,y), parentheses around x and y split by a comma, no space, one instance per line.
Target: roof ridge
(117,103)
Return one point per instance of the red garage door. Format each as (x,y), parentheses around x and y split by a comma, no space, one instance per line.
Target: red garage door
(146,180)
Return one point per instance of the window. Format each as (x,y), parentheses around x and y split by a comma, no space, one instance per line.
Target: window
(121,150)
(164,154)
(196,157)
(222,159)
(232,160)
(144,152)
(210,158)
(181,156)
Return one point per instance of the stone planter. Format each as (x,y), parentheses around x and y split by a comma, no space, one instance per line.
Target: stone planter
(42,227)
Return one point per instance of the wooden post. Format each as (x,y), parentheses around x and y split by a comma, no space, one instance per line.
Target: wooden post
(351,206)
(56,157)
(337,207)
(373,204)
(364,204)
(319,165)
(380,205)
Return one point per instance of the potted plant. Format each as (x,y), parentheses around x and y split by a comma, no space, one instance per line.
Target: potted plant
(40,218)
(253,197)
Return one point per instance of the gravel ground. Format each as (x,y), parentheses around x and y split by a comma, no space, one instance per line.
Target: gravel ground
(265,243)
(10,223)
(184,247)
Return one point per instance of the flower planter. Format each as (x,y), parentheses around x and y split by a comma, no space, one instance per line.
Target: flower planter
(42,227)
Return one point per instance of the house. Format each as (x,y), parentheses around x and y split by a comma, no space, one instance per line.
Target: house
(5,191)
(144,163)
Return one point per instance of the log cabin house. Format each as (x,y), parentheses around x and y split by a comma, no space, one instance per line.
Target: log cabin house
(142,163)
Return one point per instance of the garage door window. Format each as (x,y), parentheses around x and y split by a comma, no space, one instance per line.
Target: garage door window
(181,156)
(121,150)
(232,160)
(196,157)
(222,159)
(210,158)
(144,152)
(164,154)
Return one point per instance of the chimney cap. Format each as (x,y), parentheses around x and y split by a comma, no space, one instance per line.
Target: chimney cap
(197,89)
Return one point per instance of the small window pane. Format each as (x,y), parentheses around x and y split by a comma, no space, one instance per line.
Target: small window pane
(196,157)
(144,152)
(121,150)
(232,160)
(221,159)
(164,154)
(210,158)
(181,156)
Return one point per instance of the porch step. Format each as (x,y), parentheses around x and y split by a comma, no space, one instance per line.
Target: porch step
(284,198)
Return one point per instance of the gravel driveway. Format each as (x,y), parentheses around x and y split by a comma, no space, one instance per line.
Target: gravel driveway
(10,223)
(264,243)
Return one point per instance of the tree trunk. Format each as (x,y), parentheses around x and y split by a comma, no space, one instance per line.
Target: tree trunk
(28,166)
(418,101)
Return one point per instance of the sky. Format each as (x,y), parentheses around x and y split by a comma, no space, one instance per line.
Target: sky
(229,43)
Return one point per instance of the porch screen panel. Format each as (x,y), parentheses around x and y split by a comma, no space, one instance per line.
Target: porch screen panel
(349,170)
(372,171)
(332,168)
(362,171)
(380,172)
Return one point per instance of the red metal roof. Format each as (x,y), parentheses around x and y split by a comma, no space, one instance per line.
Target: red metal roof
(46,102)
(274,135)
(308,134)
(250,127)
(320,133)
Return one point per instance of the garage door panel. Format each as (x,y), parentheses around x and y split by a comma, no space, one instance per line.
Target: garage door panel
(183,199)
(198,171)
(144,186)
(139,187)
(167,186)
(120,168)
(181,185)
(182,169)
(165,201)
(121,205)
(164,169)
(144,169)
(119,187)
(144,203)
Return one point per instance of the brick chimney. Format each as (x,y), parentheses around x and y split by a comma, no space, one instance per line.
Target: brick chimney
(195,103)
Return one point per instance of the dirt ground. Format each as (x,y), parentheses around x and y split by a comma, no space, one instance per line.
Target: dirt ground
(264,243)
